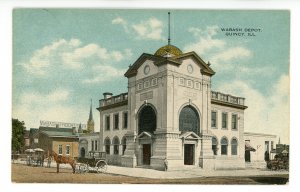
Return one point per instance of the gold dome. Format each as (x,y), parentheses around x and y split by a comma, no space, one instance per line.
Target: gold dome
(168,50)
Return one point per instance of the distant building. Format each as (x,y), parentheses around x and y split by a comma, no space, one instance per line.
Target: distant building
(89,141)
(258,146)
(63,141)
(60,137)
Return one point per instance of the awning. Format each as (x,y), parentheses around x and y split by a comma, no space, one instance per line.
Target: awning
(248,147)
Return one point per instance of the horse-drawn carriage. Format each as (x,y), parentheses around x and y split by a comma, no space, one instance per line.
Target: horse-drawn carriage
(96,161)
(280,161)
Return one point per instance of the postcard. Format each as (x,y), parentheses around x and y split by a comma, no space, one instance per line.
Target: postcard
(150,96)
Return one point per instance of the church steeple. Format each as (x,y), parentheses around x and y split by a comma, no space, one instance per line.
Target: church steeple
(91,112)
(90,123)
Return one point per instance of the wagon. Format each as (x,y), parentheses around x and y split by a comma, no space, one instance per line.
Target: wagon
(96,161)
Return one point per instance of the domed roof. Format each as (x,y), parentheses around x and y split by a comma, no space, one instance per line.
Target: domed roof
(168,51)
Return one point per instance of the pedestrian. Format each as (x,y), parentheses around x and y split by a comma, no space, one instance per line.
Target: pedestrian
(267,157)
(166,164)
(49,161)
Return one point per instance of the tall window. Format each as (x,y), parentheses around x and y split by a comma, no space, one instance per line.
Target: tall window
(116,143)
(107,145)
(224,146)
(68,150)
(234,121)
(96,145)
(60,149)
(107,122)
(123,145)
(92,145)
(214,119)
(125,120)
(189,120)
(214,145)
(116,121)
(224,120)
(234,145)
(147,120)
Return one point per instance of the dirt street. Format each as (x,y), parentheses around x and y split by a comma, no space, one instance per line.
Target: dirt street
(26,174)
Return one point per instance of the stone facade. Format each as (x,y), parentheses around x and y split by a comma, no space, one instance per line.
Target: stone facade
(262,143)
(88,142)
(169,105)
(60,143)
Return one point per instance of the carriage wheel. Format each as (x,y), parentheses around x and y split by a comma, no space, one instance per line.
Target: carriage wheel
(84,168)
(101,166)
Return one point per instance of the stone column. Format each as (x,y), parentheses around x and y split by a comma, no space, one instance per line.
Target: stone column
(207,158)
(129,157)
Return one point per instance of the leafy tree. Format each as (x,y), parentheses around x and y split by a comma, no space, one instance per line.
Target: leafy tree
(18,129)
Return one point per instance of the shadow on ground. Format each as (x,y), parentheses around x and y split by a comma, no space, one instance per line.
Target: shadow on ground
(271,180)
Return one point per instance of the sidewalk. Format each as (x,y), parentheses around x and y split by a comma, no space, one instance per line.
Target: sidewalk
(175,174)
(189,173)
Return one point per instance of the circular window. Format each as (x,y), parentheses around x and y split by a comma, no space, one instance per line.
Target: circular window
(146,69)
(190,68)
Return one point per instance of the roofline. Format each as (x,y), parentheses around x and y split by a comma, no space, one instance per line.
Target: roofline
(132,71)
(42,132)
(259,134)
(217,102)
(207,71)
(119,104)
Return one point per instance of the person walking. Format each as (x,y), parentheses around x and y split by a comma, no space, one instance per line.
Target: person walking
(166,164)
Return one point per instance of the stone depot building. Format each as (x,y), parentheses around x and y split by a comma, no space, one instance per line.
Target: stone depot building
(170,112)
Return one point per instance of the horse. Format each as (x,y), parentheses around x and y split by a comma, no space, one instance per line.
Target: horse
(59,159)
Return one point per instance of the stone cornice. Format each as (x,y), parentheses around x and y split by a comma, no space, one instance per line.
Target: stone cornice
(218,102)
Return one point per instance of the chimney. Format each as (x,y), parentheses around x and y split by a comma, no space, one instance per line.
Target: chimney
(74,131)
(107,95)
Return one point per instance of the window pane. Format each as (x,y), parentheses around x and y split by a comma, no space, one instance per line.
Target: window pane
(224,145)
(234,122)
(116,149)
(107,122)
(60,149)
(234,147)
(214,119)
(224,120)
(189,120)
(147,120)
(116,121)
(68,150)
(125,120)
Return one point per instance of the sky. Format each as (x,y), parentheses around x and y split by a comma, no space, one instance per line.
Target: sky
(63,58)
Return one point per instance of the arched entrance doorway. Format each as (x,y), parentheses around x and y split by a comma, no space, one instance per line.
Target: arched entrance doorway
(189,121)
(82,152)
(146,127)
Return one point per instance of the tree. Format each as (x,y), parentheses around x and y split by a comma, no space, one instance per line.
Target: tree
(18,129)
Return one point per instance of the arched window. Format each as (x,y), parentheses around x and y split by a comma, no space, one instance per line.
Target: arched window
(123,145)
(189,120)
(147,120)
(234,145)
(116,143)
(224,146)
(214,145)
(107,145)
